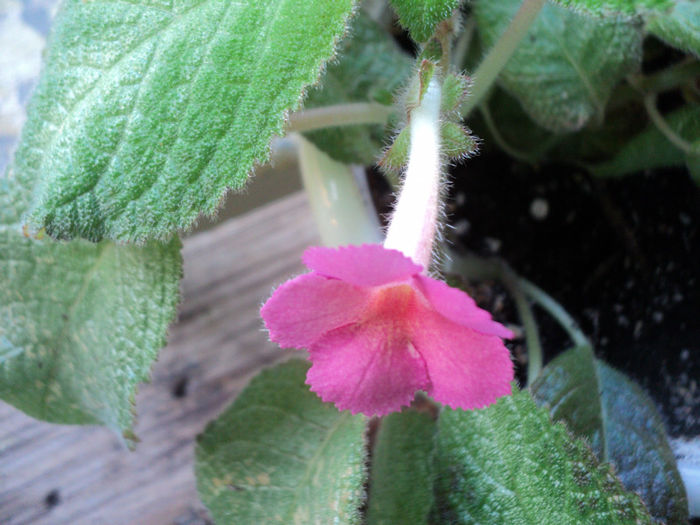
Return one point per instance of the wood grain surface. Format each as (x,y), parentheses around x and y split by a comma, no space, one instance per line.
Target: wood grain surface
(52,474)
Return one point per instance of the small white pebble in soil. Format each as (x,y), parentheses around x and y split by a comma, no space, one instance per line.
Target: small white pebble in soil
(493,245)
(460,198)
(678,297)
(684,218)
(462,227)
(638,329)
(685,354)
(539,209)
(657,317)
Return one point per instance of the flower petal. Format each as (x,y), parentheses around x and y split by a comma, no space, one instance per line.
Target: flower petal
(467,369)
(366,265)
(457,306)
(306,307)
(369,368)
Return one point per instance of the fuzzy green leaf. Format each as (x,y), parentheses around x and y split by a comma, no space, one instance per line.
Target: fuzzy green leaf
(509,463)
(421,18)
(80,323)
(147,112)
(566,67)
(371,68)
(627,7)
(680,27)
(401,488)
(620,423)
(651,149)
(279,454)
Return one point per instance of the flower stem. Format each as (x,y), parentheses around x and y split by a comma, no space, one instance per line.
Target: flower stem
(496,59)
(338,196)
(339,115)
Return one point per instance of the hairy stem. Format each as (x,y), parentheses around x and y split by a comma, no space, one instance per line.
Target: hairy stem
(496,59)
(338,115)
(661,124)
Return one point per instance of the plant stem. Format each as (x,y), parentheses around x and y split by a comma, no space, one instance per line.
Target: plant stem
(461,48)
(339,115)
(496,59)
(661,124)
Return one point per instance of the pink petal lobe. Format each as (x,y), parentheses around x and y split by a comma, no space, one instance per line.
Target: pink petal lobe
(368,368)
(366,265)
(457,306)
(467,369)
(306,307)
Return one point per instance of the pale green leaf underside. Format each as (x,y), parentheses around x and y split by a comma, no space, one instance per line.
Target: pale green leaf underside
(401,488)
(651,149)
(628,7)
(371,67)
(81,323)
(421,18)
(509,463)
(680,27)
(566,67)
(279,454)
(147,112)
(596,402)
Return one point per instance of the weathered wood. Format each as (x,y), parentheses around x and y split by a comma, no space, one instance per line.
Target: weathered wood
(51,474)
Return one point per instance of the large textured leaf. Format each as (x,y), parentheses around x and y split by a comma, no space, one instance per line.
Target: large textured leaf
(281,455)
(564,70)
(509,463)
(680,27)
(146,112)
(80,323)
(628,7)
(370,69)
(401,488)
(621,424)
(651,149)
(421,18)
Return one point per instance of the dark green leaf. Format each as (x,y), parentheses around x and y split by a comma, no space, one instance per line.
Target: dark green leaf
(401,489)
(651,149)
(566,67)
(147,112)
(371,68)
(621,424)
(279,454)
(509,463)
(680,27)
(421,18)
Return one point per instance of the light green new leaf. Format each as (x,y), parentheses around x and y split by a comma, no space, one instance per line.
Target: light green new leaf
(620,423)
(566,67)
(421,18)
(509,463)
(80,323)
(651,149)
(371,68)
(401,487)
(147,112)
(607,7)
(279,454)
(680,27)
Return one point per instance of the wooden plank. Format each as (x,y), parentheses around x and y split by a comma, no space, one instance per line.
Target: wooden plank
(51,474)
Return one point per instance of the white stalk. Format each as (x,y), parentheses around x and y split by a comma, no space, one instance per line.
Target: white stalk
(415,220)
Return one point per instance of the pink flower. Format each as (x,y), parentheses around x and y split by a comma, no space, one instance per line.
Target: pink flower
(378,330)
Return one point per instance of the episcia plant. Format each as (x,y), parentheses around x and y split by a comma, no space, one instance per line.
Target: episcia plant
(407,409)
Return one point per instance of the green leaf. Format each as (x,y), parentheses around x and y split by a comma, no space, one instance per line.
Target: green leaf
(421,18)
(370,69)
(680,27)
(80,323)
(509,463)
(566,67)
(147,112)
(402,470)
(279,454)
(607,7)
(651,149)
(620,423)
